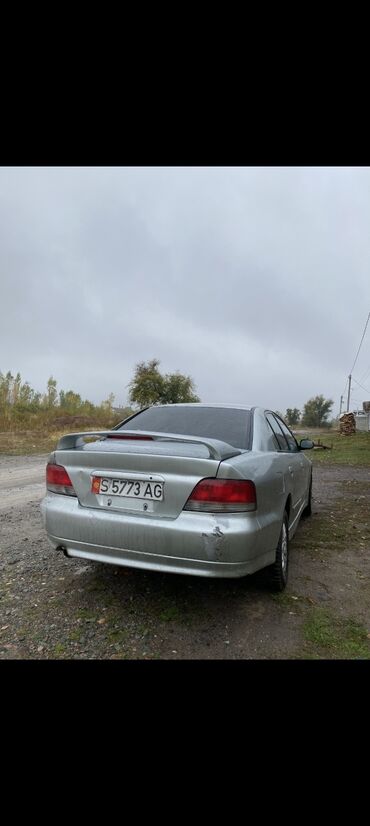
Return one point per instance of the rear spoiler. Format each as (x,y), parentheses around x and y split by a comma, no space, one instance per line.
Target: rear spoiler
(217,449)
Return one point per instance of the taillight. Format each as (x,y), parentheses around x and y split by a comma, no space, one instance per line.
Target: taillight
(58,481)
(222,495)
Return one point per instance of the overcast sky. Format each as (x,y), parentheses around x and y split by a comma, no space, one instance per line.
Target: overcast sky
(253,280)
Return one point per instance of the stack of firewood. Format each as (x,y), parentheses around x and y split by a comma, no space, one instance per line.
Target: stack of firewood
(347,424)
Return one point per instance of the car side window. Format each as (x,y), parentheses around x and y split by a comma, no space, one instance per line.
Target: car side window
(279,436)
(270,441)
(293,446)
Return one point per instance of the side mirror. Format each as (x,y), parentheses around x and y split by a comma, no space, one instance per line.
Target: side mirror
(306,444)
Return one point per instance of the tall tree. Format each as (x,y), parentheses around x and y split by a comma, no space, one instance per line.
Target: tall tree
(52,393)
(108,403)
(292,416)
(16,389)
(149,386)
(178,388)
(71,401)
(26,395)
(316,411)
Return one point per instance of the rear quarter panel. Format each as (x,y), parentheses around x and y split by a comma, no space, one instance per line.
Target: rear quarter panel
(270,474)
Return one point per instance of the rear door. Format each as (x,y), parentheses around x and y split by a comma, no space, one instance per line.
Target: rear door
(289,462)
(301,468)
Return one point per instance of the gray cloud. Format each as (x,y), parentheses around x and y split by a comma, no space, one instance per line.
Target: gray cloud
(253,280)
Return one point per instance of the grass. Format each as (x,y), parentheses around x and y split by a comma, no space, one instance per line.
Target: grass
(329,636)
(342,527)
(286,601)
(171,614)
(30,442)
(85,614)
(117,635)
(59,650)
(75,635)
(345,450)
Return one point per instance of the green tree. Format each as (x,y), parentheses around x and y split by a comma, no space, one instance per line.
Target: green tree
(316,412)
(6,388)
(109,402)
(50,399)
(26,395)
(88,408)
(178,388)
(149,386)
(28,400)
(6,383)
(17,382)
(292,416)
(71,401)
(21,405)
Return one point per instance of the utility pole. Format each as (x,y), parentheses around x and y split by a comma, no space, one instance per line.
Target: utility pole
(349,391)
(340,409)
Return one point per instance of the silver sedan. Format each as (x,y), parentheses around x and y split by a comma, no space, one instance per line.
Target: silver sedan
(210,490)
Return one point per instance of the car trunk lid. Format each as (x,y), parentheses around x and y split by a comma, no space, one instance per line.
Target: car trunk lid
(174,463)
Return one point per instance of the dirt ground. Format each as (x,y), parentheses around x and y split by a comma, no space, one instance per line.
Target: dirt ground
(55,608)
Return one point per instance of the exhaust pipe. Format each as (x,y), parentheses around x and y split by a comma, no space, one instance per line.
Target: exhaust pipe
(62,548)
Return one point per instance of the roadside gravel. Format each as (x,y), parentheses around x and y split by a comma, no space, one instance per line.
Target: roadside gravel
(55,608)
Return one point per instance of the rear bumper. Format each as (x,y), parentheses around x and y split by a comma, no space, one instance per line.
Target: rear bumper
(199,544)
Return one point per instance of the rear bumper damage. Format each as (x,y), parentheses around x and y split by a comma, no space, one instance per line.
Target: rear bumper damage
(201,544)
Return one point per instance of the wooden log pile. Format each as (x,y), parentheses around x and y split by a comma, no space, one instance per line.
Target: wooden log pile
(347,424)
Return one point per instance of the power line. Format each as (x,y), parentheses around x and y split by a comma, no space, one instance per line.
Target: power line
(363,336)
(366,374)
(351,371)
(361,385)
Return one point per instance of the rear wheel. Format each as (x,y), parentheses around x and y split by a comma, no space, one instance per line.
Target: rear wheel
(278,572)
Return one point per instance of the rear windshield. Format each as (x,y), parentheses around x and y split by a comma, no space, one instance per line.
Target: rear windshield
(226,424)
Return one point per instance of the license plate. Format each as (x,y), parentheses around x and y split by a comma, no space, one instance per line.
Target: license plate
(144,489)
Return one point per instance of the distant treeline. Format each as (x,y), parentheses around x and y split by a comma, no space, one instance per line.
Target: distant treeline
(23,408)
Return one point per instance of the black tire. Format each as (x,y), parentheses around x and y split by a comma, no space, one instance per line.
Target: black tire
(278,572)
(308,509)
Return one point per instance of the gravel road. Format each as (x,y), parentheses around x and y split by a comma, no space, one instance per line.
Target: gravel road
(55,608)
(22,480)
